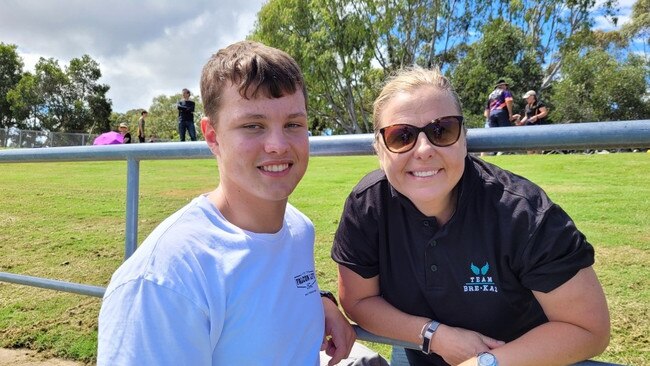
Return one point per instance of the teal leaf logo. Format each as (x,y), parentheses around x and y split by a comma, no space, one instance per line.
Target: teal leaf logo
(484,269)
(474,269)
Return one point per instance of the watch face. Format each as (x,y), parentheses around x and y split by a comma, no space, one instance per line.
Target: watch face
(487,359)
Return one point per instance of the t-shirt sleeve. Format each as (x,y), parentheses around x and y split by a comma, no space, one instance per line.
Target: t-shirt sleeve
(555,252)
(141,323)
(356,239)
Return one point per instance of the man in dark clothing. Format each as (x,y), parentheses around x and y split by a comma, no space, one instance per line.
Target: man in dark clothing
(186,117)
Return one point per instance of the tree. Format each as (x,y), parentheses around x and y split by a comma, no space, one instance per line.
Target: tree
(67,100)
(553,27)
(54,107)
(594,86)
(347,47)
(11,69)
(639,24)
(92,108)
(100,109)
(501,53)
(334,48)
(22,98)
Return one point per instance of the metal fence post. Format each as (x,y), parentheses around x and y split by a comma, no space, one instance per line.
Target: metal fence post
(132,197)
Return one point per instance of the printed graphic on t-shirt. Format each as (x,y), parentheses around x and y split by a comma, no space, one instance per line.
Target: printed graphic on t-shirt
(306,280)
(480,281)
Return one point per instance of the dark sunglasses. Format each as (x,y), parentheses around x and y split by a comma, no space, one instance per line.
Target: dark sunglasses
(443,131)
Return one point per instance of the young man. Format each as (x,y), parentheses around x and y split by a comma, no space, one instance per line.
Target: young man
(229,279)
(141,123)
(186,117)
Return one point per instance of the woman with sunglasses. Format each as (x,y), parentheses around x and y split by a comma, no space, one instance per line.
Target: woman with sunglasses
(442,249)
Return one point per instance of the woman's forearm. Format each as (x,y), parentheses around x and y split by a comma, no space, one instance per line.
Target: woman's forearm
(553,343)
(377,316)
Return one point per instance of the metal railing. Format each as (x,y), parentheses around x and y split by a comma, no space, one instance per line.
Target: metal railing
(580,136)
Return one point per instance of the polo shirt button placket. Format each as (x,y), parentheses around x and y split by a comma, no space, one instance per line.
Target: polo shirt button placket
(433,268)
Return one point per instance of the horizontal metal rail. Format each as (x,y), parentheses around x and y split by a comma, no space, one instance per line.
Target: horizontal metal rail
(75,288)
(577,136)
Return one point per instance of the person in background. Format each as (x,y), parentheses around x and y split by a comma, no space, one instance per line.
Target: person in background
(186,117)
(498,110)
(472,262)
(124,130)
(141,124)
(535,112)
(229,279)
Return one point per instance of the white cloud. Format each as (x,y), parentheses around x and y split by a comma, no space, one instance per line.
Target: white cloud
(144,48)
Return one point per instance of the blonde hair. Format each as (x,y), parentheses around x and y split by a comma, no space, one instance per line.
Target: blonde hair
(408,80)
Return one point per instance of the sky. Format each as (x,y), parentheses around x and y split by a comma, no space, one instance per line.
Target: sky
(145,48)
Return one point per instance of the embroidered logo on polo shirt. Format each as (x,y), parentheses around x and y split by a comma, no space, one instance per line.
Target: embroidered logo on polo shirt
(306,279)
(481,281)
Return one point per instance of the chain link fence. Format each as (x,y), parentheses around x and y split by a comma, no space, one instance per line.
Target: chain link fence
(15,138)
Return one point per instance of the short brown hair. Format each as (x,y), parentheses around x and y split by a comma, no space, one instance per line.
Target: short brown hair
(254,68)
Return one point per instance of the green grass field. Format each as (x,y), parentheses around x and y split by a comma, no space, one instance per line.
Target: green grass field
(66,221)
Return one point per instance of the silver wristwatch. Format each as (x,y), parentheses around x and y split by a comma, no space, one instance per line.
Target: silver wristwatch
(486,359)
(427,334)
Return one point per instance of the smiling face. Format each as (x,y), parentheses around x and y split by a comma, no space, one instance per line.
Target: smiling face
(261,145)
(427,174)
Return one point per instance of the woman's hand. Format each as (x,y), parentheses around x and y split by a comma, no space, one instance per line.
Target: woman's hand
(456,345)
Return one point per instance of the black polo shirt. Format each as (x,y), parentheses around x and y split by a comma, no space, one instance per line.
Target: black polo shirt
(477,271)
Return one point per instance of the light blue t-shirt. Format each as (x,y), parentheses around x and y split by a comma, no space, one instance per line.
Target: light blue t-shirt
(201,291)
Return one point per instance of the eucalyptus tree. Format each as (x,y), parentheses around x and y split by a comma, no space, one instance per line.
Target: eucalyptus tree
(501,52)
(347,47)
(62,100)
(334,47)
(597,87)
(553,27)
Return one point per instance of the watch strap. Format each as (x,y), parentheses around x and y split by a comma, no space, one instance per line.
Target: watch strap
(330,296)
(427,334)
